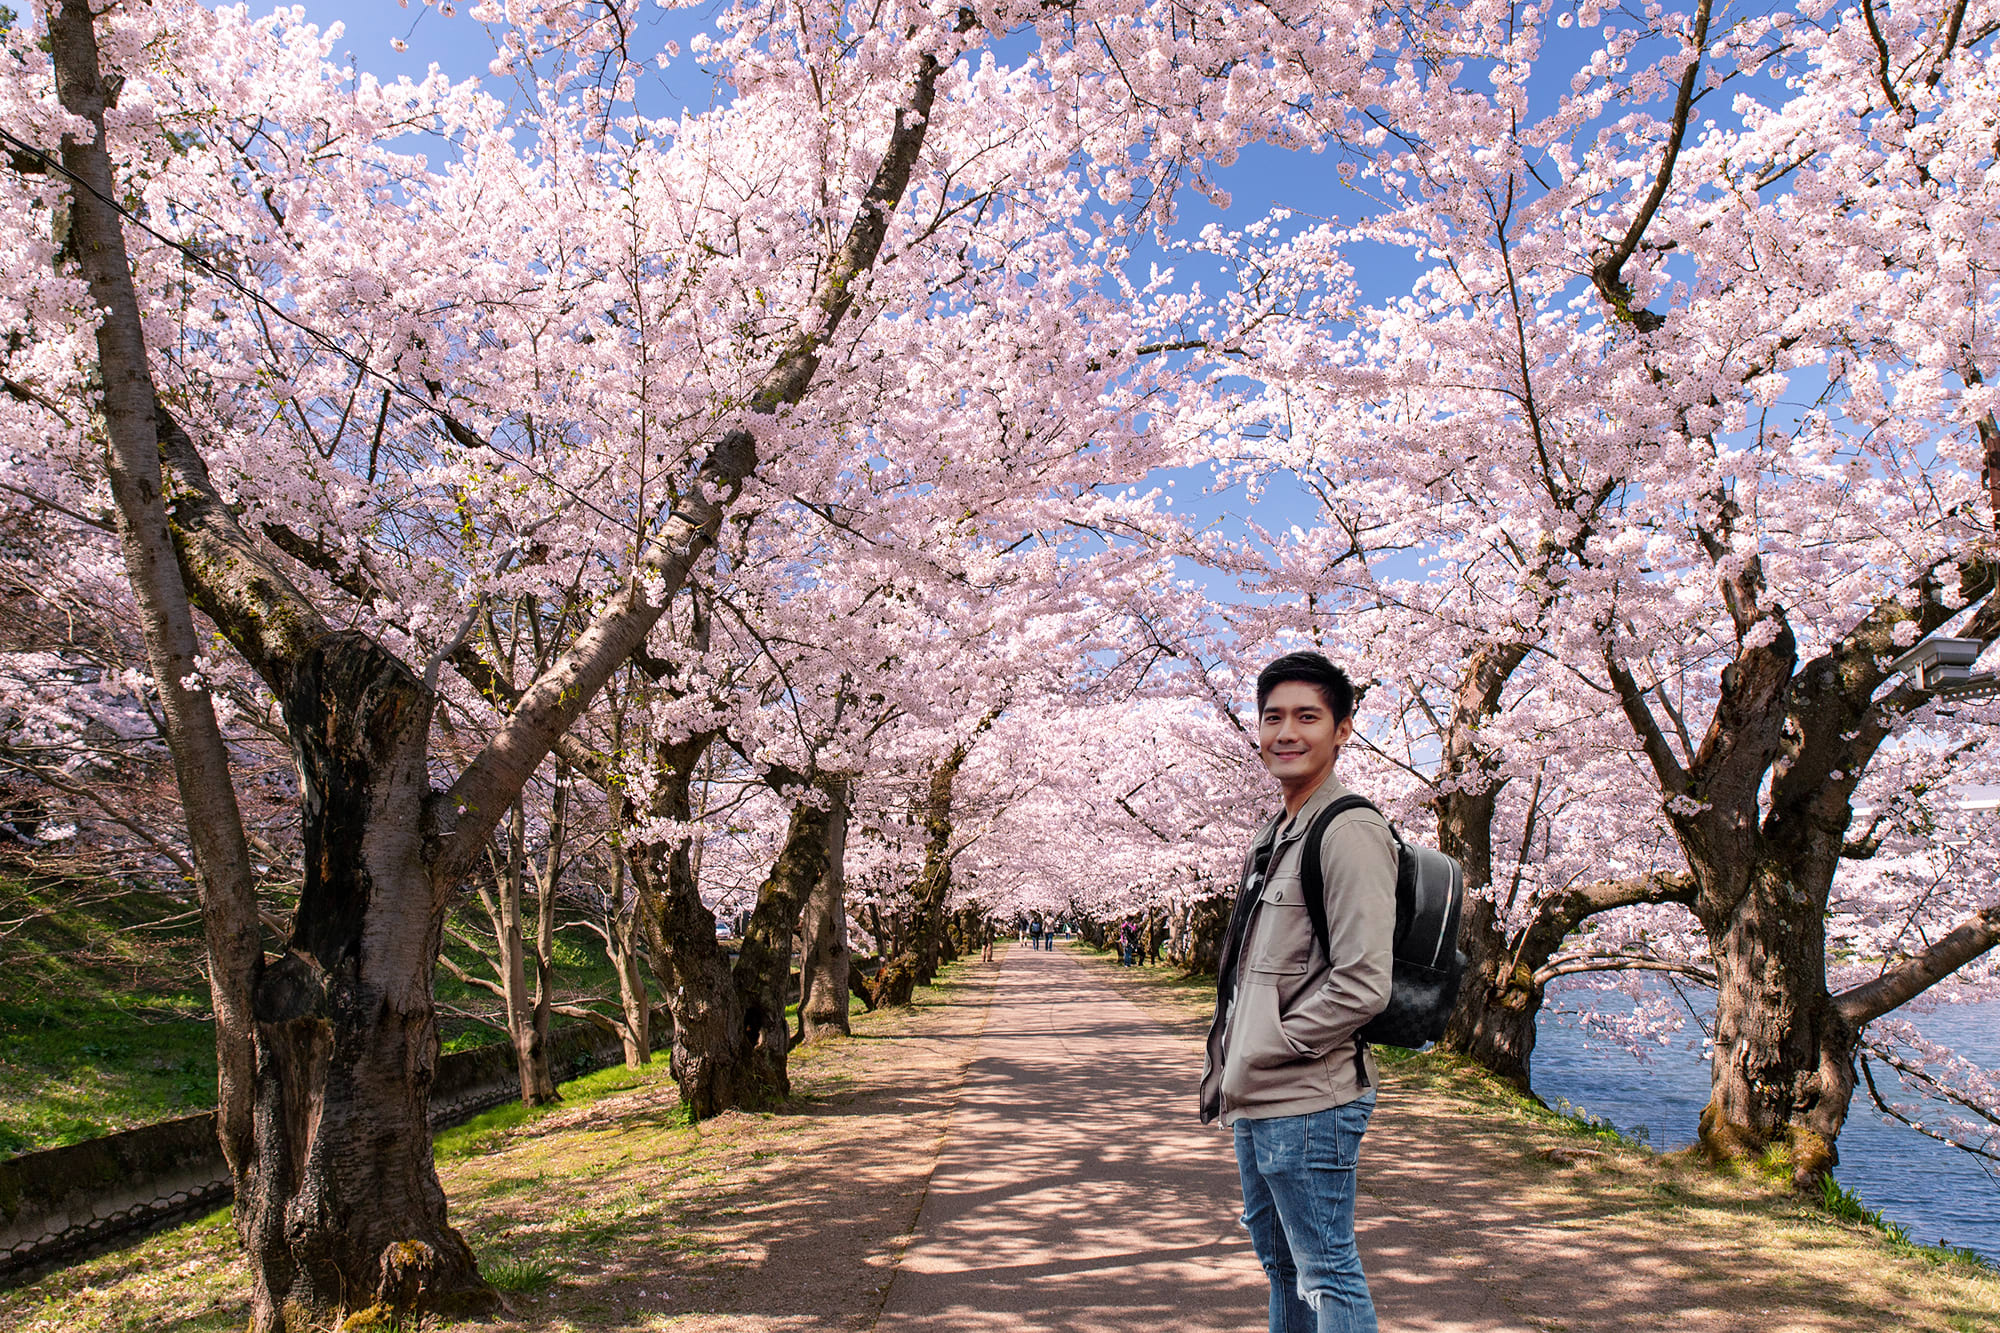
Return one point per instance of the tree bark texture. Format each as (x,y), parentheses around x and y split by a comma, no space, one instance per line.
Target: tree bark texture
(915,961)
(1499,1001)
(824,959)
(1207,920)
(688,961)
(1784,1069)
(730,1035)
(342,1208)
(763,973)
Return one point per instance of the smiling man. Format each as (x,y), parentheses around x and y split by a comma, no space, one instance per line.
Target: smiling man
(1284,1069)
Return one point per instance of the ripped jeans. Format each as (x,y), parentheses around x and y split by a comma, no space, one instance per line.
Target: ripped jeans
(1298,1203)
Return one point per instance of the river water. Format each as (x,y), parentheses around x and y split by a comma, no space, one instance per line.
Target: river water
(1939,1193)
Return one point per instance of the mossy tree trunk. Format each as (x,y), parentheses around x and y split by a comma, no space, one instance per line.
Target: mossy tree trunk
(919,948)
(1762,809)
(824,955)
(730,1037)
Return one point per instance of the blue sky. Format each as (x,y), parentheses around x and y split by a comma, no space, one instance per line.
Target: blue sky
(1263,177)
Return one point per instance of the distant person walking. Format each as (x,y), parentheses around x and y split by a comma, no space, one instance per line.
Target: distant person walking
(1283,1067)
(1128,941)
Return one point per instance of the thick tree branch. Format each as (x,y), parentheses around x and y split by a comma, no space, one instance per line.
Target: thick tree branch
(1576,965)
(258,608)
(1608,275)
(1558,915)
(465,815)
(1633,700)
(466,978)
(1903,981)
(1836,724)
(497,690)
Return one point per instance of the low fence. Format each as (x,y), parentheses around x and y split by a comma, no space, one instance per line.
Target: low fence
(61,1204)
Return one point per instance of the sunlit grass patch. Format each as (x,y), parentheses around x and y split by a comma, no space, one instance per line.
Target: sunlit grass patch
(519,1276)
(491,1129)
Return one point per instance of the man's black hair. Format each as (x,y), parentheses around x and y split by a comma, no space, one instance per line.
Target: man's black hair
(1312,669)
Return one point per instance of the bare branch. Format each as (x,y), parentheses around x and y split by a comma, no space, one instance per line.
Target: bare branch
(1903,981)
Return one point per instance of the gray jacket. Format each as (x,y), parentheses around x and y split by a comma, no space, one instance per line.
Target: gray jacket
(1284,1044)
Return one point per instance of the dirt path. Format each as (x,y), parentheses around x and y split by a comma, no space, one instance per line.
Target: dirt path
(1075,1190)
(1019,1153)
(1479,1214)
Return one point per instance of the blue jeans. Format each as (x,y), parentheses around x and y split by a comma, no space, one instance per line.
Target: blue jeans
(1298,1203)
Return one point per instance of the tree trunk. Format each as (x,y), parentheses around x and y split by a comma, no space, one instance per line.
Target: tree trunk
(824,960)
(1208,919)
(858,985)
(635,1033)
(342,1207)
(1498,1001)
(621,939)
(230,921)
(526,1010)
(894,985)
(730,1036)
(688,961)
(915,960)
(1783,1070)
(763,969)
(547,878)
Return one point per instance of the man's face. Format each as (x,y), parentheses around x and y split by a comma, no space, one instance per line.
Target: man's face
(1297,736)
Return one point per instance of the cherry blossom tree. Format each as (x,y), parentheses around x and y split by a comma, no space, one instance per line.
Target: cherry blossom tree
(355,396)
(1687,422)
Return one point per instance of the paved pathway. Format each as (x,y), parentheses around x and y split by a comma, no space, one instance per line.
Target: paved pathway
(1075,1190)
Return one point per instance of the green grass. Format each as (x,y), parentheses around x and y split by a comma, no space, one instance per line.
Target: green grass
(1844,1205)
(490,1129)
(104,1010)
(103,1014)
(519,1276)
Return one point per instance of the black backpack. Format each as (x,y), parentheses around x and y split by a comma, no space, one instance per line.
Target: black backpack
(1430,893)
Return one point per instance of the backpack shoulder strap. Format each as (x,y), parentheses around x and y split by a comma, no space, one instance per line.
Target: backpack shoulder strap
(1312,876)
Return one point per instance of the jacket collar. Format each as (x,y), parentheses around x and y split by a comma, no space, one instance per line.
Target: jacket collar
(1329,791)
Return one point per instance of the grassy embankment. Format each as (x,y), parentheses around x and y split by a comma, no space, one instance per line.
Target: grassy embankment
(610,1211)
(1600,1232)
(104,1012)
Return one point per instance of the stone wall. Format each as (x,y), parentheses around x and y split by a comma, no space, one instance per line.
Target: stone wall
(61,1204)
